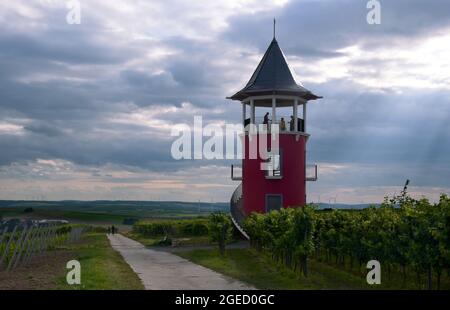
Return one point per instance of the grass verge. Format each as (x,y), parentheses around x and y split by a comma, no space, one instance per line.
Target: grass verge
(260,271)
(102,268)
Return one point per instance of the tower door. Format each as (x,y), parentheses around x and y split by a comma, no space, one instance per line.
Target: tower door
(274,202)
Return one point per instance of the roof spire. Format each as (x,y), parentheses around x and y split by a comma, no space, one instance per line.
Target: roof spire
(274,22)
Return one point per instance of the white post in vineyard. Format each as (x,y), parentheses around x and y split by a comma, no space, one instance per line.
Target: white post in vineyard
(36,243)
(23,247)
(6,250)
(2,236)
(17,246)
(31,243)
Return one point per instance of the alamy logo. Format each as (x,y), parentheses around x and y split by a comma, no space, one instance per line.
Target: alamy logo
(73,16)
(374,14)
(74,274)
(223,142)
(374,275)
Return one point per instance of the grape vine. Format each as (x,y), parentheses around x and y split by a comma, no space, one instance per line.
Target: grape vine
(407,236)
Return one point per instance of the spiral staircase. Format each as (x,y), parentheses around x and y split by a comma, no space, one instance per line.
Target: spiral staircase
(237,210)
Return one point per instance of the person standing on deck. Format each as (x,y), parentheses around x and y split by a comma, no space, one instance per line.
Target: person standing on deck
(282,124)
(266,119)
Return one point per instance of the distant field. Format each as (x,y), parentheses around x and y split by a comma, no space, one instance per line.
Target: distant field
(108,211)
(103,212)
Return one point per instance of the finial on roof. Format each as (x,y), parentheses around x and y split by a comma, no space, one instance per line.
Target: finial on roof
(274,21)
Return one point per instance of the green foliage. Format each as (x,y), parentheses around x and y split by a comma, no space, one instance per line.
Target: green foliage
(287,234)
(403,234)
(97,229)
(194,229)
(220,229)
(152,229)
(64,229)
(191,227)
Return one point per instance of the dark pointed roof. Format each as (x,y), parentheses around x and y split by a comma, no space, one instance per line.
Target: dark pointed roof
(273,76)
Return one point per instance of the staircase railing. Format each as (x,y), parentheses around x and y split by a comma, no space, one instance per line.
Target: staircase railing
(237,210)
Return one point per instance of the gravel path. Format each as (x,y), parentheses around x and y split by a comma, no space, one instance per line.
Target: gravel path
(160,270)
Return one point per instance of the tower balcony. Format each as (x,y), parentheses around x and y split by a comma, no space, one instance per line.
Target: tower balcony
(286,124)
(276,113)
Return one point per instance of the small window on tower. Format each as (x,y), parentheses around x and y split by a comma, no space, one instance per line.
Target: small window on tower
(274,166)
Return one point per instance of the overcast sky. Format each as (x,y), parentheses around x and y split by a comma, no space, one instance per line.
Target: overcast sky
(86,110)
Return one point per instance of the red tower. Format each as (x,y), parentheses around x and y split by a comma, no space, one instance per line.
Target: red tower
(272,87)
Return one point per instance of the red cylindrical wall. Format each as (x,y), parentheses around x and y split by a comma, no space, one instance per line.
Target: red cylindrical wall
(292,185)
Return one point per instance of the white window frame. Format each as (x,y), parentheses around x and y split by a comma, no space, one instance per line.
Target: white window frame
(270,173)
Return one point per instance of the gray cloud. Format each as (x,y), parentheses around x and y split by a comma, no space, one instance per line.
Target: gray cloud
(70,88)
(314,28)
(356,124)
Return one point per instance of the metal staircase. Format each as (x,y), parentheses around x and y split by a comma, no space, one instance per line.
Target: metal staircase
(237,211)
